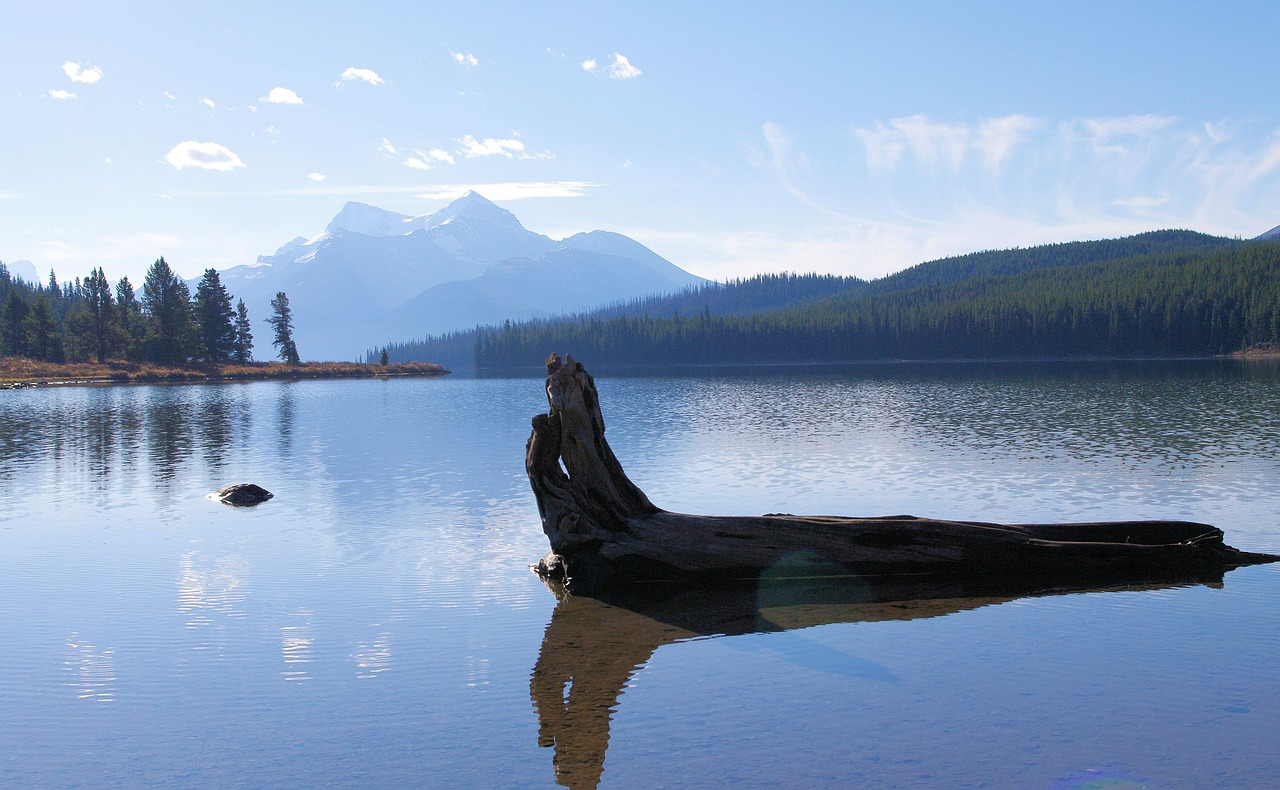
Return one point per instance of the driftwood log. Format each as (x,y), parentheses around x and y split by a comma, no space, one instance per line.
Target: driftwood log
(605,533)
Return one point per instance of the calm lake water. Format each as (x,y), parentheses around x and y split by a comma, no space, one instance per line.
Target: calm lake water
(376,625)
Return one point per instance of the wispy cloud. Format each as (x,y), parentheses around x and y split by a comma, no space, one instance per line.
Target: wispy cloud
(511,190)
(60,94)
(209,103)
(465,59)
(278,95)
(1108,134)
(387,148)
(504,190)
(316,176)
(425,160)
(368,75)
(471,148)
(76,72)
(202,156)
(620,69)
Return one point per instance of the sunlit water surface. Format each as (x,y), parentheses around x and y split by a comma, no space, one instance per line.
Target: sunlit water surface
(376,625)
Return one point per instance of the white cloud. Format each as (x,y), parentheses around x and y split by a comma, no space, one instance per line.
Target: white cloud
(387,148)
(89,75)
(368,75)
(473,148)
(209,103)
(417,161)
(60,94)
(280,95)
(511,190)
(946,145)
(465,59)
(621,68)
(203,156)
(425,160)
(1105,131)
(315,176)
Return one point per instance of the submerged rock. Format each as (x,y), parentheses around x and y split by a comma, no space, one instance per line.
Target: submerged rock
(242,495)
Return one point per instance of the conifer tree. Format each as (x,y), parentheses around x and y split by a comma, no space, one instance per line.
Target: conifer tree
(243,352)
(103,321)
(132,324)
(15,323)
(43,341)
(214,318)
(166,301)
(281,322)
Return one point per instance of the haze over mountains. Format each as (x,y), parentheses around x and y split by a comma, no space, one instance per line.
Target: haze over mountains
(375,275)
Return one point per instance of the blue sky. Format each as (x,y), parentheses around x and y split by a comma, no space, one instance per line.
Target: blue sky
(732,138)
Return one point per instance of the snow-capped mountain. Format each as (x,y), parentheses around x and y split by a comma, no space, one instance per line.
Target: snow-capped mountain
(375,276)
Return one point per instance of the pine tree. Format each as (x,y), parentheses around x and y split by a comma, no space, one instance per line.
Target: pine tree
(281,322)
(166,301)
(103,322)
(15,323)
(243,352)
(214,318)
(42,334)
(130,319)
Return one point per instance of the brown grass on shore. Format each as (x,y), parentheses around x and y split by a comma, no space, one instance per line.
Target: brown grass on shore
(18,371)
(1260,351)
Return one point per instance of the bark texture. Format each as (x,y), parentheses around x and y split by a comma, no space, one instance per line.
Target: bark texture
(605,533)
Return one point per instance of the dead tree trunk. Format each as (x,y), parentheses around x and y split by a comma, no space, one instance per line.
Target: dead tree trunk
(604,531)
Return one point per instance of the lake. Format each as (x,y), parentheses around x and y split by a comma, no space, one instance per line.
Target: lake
(376,624)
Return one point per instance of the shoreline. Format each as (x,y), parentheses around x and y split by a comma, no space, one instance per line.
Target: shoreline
(18,373)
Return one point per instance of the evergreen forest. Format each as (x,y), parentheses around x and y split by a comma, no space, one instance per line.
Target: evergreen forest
(1163,293)
(91,320)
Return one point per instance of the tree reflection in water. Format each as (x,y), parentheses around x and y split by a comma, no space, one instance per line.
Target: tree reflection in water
(592,646)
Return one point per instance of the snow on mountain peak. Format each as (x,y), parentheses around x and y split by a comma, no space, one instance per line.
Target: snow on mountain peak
(472,205)
(370,221)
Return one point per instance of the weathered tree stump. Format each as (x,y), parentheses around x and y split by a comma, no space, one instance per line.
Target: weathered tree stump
(605,533)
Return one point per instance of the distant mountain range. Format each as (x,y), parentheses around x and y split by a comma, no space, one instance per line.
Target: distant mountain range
(374,276)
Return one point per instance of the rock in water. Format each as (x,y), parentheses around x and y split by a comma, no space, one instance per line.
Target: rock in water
(242,495)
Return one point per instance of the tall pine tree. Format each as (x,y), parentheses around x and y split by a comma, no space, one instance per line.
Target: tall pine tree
(214,318)
(281,322)
(166,301)
(243,352)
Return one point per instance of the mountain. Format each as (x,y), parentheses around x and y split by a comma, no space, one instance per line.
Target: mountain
(1274,233)
(374,276)
(23,270)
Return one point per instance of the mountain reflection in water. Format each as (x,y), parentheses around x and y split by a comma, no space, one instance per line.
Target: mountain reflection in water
(593,646)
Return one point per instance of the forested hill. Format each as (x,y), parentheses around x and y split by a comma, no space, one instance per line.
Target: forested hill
(456,350)
(1001,263)
(1163,293)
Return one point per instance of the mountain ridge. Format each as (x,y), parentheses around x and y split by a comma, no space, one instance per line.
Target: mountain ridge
(374,274)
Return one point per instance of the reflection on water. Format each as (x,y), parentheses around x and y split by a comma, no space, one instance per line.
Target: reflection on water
(92,670)
(390,572)
(593,646)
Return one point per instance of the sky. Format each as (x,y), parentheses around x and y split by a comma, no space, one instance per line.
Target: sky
(731,138)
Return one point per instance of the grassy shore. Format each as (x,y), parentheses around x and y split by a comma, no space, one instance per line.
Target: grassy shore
(20,372)
(1260,351)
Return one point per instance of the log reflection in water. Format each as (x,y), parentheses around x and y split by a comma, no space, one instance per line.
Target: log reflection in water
(593,646)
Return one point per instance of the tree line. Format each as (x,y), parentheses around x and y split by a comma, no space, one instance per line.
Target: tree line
(90,320)
(1170,293)
(457,350)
